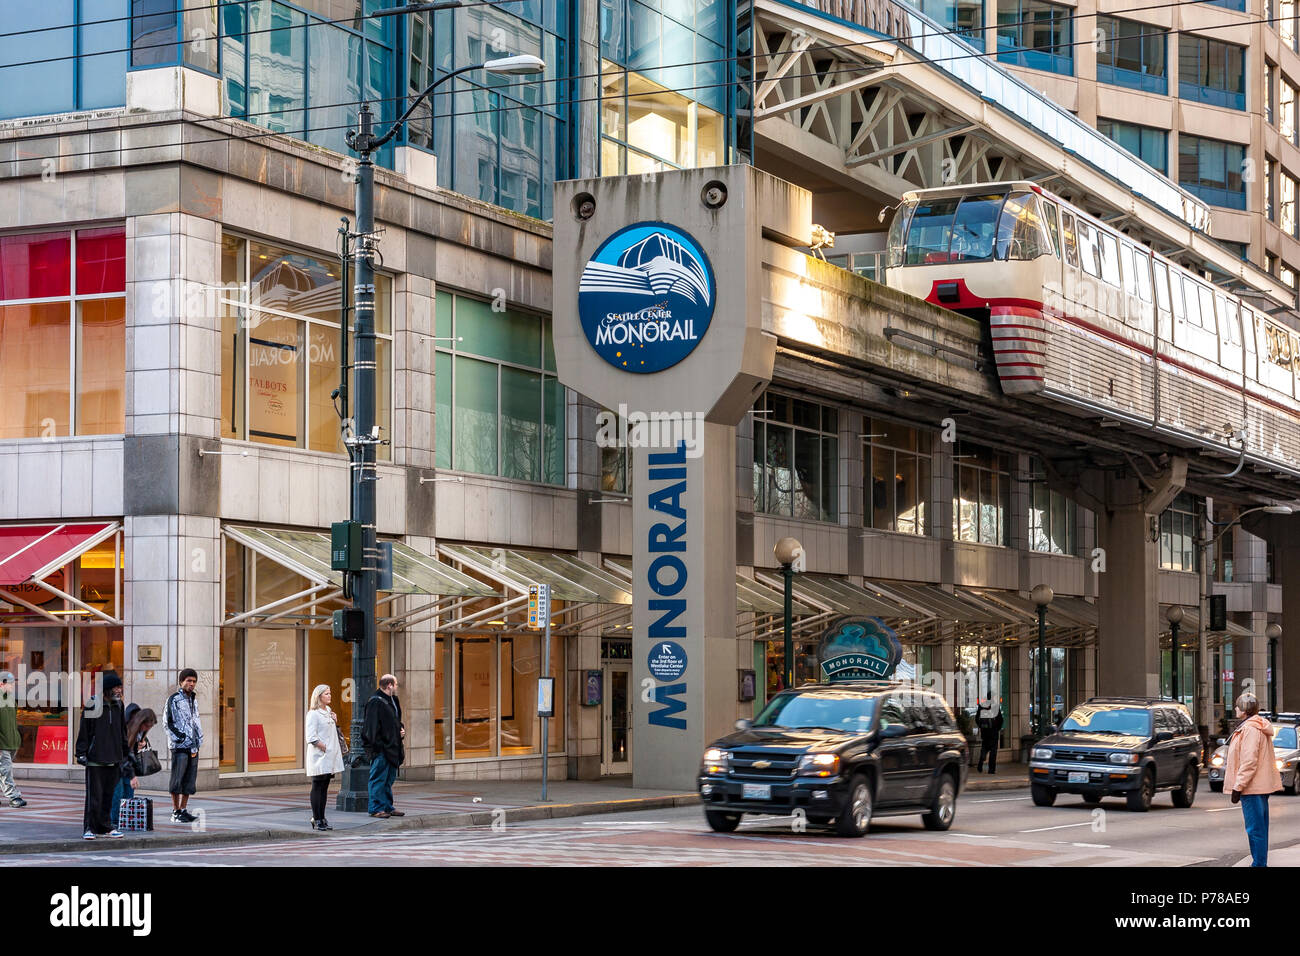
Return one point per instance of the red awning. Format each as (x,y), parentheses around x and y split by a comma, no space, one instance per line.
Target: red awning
(30,551)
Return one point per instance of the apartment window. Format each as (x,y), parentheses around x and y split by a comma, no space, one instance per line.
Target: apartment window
(1270,174)
(63,333)
(280,347)
(1285,23)
(1053,519)
(1145,142)
(897,465)
(1037,35)
(499,407)
(1270,263)
(1179,529)
(1212,72)
(1287,221)
(1286,124)
(1211,169)
(1270,91)
(1132,55)
(796,458)
(1287,274)
(981,497)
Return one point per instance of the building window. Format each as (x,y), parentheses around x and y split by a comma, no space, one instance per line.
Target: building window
(1036,34)
(1287,274)
(1287,221)
(280,347)
(1145,142)
(962,17)
(1179,529)
(1270,92)
(615,459)
(1211,72)
(1053,519)
(63,333)
(646,127)
(1132,55)
(1212,170)
(1270,174)
(500,408)
(1285,24)
(796,458)
(1270,263)
(1286,112)
(81,68)
(981,498)
(897,465)
(1238,5)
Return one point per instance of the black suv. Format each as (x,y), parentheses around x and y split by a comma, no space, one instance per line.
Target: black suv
(841,752)
(1119,746)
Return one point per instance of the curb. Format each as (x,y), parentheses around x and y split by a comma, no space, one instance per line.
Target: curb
(474,818)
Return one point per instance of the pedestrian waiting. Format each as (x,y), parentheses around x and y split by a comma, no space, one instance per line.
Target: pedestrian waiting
(185,735)
(10,739)
(382,735)
(139,721)
(102,750)
(1251,774)
(324,752)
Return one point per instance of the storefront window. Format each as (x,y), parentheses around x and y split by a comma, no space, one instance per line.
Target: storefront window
(476,691)
(796,458)
(499,406)
(1052,519)
(521,664)
(1178,533)
(981,495)
(898,475)
(44,322)
(280,353)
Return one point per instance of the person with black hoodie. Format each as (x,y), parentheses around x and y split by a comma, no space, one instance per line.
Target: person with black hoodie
(102,750)
(382,735)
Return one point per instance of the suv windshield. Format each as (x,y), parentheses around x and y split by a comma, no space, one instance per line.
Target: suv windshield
(825,709)
(1109,719)
(1284,739)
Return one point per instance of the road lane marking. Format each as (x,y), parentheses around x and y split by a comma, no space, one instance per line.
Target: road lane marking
(1063,826)
(1086,846)
(1221,809)
(1001,800)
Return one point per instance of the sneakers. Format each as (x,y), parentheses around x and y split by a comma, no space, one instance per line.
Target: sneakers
(88,835)
(115,833)
(17,802)
(183,816)
(323,824)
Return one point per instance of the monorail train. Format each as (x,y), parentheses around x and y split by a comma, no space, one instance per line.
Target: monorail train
(1082,314)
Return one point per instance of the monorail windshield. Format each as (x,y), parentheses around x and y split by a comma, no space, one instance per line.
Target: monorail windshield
(971,228)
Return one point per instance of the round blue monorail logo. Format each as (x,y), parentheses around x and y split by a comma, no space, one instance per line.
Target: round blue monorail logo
(646,297)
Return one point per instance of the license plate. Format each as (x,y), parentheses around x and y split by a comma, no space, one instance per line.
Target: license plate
(1078,776)
(757,791)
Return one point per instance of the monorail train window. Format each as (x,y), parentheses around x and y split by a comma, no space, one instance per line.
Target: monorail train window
(1088,249)
(1176,295)
(929,232)
(898,234)
(1162,284)
(1049,213)
(1109,259)
(1130,271)
(1071,248)
(1207,308)
(974,225)
(1229,330)
(1021,231)
(1192,302)
(1142,267)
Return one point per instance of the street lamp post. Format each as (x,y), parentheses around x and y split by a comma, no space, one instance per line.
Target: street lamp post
(1272,632)
(365,440)
(1042,596)
(789,553)
(1204,706)
(1175,617)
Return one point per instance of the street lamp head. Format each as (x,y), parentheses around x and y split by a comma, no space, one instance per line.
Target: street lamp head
(1278,509)
(1273,631)
(524,64)
(787,551)
(1174,615)
(1042,595)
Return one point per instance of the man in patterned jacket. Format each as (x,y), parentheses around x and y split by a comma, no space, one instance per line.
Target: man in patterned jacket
(185,736)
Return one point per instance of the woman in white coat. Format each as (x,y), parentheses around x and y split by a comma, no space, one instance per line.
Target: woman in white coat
(324,753)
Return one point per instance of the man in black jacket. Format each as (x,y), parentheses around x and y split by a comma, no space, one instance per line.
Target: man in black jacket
(990,724)
(102,750)
(382,735)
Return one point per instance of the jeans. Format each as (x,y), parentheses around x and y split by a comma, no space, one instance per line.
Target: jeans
(382,775)
(1254,810)
(8,788)
(123,791)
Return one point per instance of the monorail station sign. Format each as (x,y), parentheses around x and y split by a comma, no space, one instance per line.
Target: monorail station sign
(658,302)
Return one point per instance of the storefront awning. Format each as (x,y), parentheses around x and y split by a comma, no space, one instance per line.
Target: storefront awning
(570,578)
(1070,621)
(833,596)
(752,596)
(1189,628)
(30,552)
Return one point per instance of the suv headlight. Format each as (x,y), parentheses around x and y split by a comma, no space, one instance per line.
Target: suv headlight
(1124,758)
(717,760)
(1279,764)
(819,765)
(1041,753)
(1216,760)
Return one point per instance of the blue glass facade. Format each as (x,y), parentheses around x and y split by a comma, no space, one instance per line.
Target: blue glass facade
(59,55)
(1145,142)
(1037,35)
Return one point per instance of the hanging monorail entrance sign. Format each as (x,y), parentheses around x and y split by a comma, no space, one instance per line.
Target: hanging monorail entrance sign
(858,648)
(657,315)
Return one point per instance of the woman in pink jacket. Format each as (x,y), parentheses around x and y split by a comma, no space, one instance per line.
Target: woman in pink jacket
(1250,772)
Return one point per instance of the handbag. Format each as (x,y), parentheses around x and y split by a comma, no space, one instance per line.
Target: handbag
(135,813)
(344,752)
(145,760)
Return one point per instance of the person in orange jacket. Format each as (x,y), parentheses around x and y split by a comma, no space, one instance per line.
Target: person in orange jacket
(1251,774)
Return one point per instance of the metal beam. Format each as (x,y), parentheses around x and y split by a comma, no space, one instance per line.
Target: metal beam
(801,43)
(830,92)
(852,161)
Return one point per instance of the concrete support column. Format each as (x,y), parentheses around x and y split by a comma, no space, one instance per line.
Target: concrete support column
(413,664)
(1128,638)
(1286,551)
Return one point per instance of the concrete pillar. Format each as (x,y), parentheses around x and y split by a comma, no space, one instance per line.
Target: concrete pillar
(1128,636)
(1286,551)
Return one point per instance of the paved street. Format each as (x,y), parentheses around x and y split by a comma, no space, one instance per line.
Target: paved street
(992,829)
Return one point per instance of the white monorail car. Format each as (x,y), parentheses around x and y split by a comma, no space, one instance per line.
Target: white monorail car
(1082,314)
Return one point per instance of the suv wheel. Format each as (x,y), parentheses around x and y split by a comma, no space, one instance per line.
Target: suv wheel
(1185,795)
(944,807)
(1043,796)
(722,822)
(855,820)
(1139,800)
(1295,783)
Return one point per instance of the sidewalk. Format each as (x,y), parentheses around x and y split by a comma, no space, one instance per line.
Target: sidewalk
(51,821)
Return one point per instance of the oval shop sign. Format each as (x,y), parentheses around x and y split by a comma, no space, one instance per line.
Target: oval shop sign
(646,297)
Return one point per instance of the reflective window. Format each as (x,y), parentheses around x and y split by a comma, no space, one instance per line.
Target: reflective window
(63,349)
(1288,221)
(82,66)
(1213,72)
(1131,54)
(1070,239)
(897,465)
(1022,234)
(1212,169)
(1286,124)
(930,231)
(981,495)
(1145,142)
(1179,528)
(963,17)
(796,459)
(1053,518)
(1036,34)
(499,407)
(975,227)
